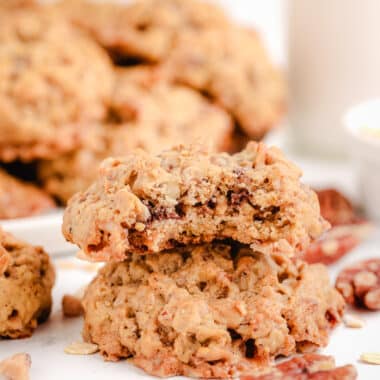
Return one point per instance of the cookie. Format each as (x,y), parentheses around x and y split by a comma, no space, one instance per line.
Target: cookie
(142,203)
(26,281)
(144,30)
(209,311)
(308,367)
(19,199)
(360,284)
(231,66)
(146,113)
(49,92)
(197,45)
(17,3)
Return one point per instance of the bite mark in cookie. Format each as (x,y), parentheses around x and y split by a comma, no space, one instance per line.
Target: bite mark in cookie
(144,204)
(209,311)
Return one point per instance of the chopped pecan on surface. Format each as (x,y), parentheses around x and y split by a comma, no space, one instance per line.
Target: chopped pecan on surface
(71,306)
(337,242)
(335,207)
(360,284)
(16,367)
(347,232)
(308,367)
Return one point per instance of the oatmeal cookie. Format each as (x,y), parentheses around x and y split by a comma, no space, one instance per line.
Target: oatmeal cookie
(48,90)
(198,46)
(16,3)
(360,284)
(26,281)
(142,203)
(209,311)
(231,66)
(145,29)
(19,199)
(145,113)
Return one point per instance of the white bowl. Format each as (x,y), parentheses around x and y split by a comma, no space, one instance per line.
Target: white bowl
(362,123)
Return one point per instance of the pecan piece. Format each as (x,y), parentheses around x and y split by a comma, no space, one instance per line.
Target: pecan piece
(335,207)
(71,306)
(16,367)
(337,242)
(308,367)
(360,284)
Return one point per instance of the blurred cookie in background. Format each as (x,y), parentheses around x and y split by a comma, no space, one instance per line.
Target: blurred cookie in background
(146,113)
(231,66)
(54,80)
(20,199)
(198,46)
(16,3)
(145,30)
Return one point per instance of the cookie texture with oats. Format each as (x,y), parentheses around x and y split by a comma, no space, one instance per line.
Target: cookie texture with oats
(143,203)
(209,311)
(48,90)
(147,113)
(19,199)
(26,281)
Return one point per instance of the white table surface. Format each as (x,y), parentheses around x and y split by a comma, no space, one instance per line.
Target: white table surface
(47,344)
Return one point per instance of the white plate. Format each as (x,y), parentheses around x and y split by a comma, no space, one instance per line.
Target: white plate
(44,230)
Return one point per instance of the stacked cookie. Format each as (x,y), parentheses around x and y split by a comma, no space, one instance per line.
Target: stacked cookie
(202,277)
(84,81)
